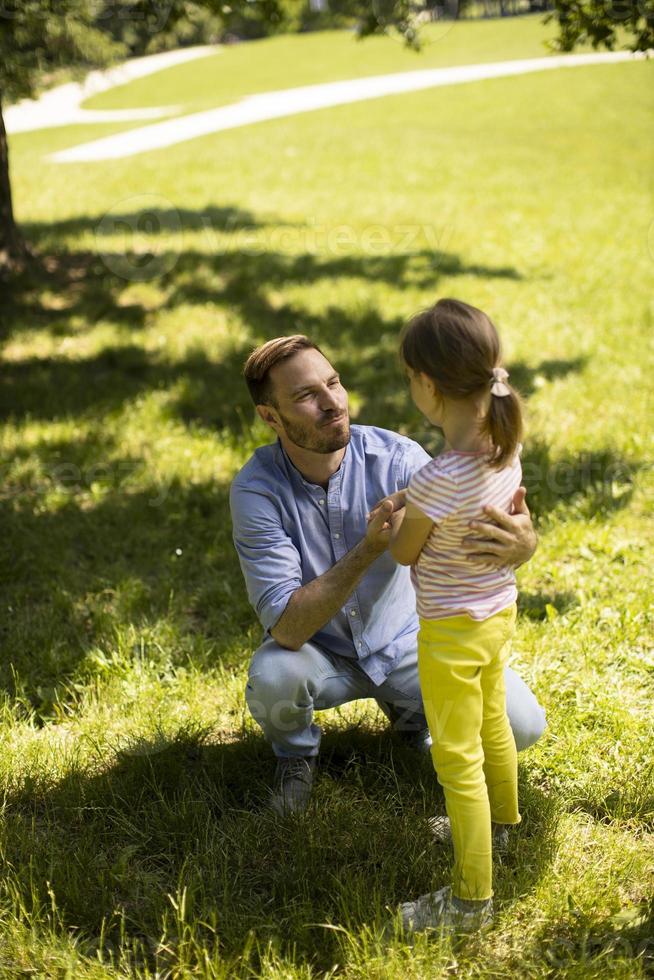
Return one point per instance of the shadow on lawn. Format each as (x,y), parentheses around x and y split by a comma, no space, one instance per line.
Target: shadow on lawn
(154,221)
(106,553)
(185,816)
(590,484)
(576,944)
(74,564)
(75,290)
(536,605)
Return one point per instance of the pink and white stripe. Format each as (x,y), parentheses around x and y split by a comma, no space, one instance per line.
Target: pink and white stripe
(452,490)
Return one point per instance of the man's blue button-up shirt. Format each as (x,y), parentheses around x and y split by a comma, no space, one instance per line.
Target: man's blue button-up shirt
(287,532)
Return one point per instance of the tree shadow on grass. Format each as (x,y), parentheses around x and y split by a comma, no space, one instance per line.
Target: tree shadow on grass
(537,605)
(211,391)
(577,943)
(99,557)
(80,291)
(591,484)
(68,287)
(528,379)
(185,815)
(79,559)
(148,221)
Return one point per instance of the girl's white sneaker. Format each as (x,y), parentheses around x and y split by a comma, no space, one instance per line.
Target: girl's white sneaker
(440,911)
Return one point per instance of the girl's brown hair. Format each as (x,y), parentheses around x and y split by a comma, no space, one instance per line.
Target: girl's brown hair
(457,346)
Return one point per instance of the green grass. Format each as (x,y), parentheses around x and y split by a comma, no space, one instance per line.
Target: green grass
(135,839)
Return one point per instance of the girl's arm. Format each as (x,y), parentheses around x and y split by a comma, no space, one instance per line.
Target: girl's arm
(411,529)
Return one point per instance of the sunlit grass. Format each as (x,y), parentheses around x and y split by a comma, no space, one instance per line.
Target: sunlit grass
(135,837)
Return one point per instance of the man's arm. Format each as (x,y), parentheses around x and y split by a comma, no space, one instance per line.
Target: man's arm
(510,540)
(314,604)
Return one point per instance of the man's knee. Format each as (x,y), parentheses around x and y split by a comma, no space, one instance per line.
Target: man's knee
(277,672)
(526,715)
(530,729)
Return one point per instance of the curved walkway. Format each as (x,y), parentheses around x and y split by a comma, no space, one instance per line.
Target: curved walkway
(60,106)
(288,102)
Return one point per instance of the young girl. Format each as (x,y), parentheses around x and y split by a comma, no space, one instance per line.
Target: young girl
(466,605)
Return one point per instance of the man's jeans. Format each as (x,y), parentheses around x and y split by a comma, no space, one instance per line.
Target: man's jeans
(286,686)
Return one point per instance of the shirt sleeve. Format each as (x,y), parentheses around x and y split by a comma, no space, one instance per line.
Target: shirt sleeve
(412,459)
(434,493)
(270,562)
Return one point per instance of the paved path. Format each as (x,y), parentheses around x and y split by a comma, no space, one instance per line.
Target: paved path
(288,102)
(60,106)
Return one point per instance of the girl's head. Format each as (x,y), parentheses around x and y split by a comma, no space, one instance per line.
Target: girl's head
(457,348)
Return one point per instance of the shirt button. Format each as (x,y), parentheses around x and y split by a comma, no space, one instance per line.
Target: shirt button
(337,535)
(353,612)
(359,645)
(322,501)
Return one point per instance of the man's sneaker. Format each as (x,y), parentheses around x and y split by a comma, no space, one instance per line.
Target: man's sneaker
(441,831)
(418,739)
(441,911)
(293,782)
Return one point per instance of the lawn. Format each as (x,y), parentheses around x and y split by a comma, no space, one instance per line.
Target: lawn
(135,838)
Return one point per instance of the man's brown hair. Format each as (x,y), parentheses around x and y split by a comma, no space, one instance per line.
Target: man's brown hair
(256,369)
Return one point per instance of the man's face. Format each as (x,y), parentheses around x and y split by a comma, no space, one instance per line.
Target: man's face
(310,407)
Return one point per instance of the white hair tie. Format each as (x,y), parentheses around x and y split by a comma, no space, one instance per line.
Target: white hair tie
(498,387)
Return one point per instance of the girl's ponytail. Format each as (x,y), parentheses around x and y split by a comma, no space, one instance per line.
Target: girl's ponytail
(503,423)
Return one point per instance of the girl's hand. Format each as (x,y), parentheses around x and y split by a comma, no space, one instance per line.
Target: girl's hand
(378,534)
(398,500)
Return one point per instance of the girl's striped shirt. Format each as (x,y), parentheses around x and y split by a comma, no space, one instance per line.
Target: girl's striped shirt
(452,490)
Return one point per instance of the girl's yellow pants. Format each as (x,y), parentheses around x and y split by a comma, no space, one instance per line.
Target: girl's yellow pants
(461,667)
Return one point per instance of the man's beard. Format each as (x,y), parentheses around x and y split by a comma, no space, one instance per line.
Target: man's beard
(317,439)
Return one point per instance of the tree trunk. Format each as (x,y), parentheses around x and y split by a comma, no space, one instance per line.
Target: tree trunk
(13,250)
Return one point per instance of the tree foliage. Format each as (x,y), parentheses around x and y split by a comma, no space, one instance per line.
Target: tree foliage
(604,23)
(39,36)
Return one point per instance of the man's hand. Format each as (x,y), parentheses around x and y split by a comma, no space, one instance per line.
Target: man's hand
(314,604)
(506,540)
(397,499)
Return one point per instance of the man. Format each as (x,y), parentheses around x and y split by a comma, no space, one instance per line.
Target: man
(312,517)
